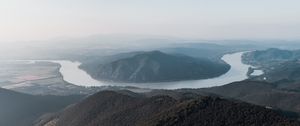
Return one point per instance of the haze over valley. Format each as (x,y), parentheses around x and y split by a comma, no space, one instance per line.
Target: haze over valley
(149,63)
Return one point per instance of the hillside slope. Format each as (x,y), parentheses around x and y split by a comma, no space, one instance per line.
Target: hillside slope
(19,109)
(270,56)
(156,66)
(278,65)
(129,109)
(259,93)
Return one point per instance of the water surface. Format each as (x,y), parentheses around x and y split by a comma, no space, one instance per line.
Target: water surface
(257,73)
(72,74)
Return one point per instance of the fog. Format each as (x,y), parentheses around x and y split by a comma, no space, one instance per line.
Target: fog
(197,19)
(30,28)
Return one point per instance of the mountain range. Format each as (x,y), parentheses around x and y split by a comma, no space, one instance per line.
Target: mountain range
(249,102)
(270,56)
(279,65)
(125,108)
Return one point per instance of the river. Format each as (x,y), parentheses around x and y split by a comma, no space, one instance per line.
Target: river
(72,74)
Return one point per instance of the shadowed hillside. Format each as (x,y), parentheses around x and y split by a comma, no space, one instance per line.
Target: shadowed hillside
(129,109)
(259,93)
(19,109)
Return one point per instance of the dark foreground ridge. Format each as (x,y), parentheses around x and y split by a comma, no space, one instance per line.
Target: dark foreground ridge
(110,108)
(18,109)
(261,93)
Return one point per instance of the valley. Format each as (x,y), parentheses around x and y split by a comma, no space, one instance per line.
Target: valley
(242,85)
(72,80)
(149,63)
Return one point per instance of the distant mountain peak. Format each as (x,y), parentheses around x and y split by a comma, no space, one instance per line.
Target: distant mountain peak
(153,54)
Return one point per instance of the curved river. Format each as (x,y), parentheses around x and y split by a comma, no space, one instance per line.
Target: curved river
(72,74)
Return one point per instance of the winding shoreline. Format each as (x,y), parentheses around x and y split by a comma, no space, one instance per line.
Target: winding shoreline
(71,73)
(238,71)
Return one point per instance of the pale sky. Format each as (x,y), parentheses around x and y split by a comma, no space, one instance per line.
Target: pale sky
(26,20)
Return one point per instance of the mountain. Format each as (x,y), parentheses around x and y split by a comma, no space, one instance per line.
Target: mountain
(156,66)
(270,56)
(260,93)
(18,109)
(200,50)
(288,71)
(278,65)
(110,108)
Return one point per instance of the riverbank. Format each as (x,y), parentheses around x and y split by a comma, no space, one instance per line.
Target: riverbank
(237,72)
(71,73)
